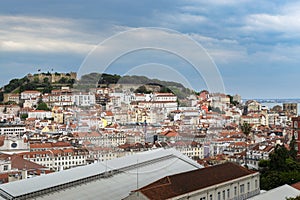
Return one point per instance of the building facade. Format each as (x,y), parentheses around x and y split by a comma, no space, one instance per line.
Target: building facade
(296,132)
(226,181)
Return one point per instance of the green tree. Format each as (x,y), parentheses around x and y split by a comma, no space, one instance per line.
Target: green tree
(36,80)
(278,158)
(1,96)
(42,106)
(164,89)
(23,116)
(63,80)
(246,129)
(71,81)
(293,150)
(47,89)
(28,86)
(142,89)
(263,166)
(46,80)
(280,169)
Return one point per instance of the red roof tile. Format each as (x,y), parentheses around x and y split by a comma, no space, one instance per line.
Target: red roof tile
(296,185)
(179,184)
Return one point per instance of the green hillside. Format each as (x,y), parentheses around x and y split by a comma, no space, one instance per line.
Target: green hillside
(101,80)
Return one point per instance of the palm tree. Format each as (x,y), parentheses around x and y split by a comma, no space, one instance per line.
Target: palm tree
(246,129)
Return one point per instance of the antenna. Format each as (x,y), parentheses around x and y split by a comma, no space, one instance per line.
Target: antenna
(137,173)
(105,164)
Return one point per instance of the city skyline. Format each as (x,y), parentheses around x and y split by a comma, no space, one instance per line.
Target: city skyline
(253,44)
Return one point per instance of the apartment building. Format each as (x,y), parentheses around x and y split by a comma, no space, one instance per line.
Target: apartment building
(220,182)
(58,159)
(30,94)
(12,130)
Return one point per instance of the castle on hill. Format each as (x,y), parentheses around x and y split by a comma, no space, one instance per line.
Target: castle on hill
(52,77)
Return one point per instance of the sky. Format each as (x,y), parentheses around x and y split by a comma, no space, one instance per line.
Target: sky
(254,45)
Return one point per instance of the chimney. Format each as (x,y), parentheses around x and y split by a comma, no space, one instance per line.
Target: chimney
(24,174)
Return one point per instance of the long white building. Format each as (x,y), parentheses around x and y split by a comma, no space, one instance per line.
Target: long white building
(113,179)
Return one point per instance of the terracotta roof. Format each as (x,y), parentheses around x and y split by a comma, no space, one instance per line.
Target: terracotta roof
(31,91)
(4,178)
(2,138)
(179,184)
(169,133)
(296,185)
(17,162)
(109,113)
(49,145)
(86,134)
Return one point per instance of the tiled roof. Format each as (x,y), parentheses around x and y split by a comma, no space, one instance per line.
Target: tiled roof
(179,184)
(169,133)
(296,185)
(49,145)
(20,163)
(30,91)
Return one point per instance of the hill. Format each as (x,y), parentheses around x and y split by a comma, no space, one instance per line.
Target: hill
(135,83)
(45,82)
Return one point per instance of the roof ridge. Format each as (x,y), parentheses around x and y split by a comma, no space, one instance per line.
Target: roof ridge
(159,185)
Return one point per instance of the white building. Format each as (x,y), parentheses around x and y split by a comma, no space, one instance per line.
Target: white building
(30,94)
(164,97)
(95,180)
(12,130)
(13,145)
(125,97)
(58,159)
(40,114)
(192,151)
(84,99)
(103,139)
(225,181)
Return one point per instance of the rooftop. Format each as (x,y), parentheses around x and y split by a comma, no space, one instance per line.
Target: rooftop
(112,179)
(179,184)
(282,192)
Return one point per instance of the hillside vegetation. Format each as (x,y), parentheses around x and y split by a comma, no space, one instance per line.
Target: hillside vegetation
(139,84)
(41,82)
(102,80)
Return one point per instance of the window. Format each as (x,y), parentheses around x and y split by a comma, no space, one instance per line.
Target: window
(5,167)
(210,197)
(223,194)
(219,195)
(235,191)
(248,186)
(256,184)
(228,193)
(242,188)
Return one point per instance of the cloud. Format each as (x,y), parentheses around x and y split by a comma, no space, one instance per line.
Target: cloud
(49,35)
(149,45)
(285,21)
(242,37)
(221,50)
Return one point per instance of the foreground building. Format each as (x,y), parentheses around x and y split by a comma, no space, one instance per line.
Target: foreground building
(281,192)
(224,181)
(112,179)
